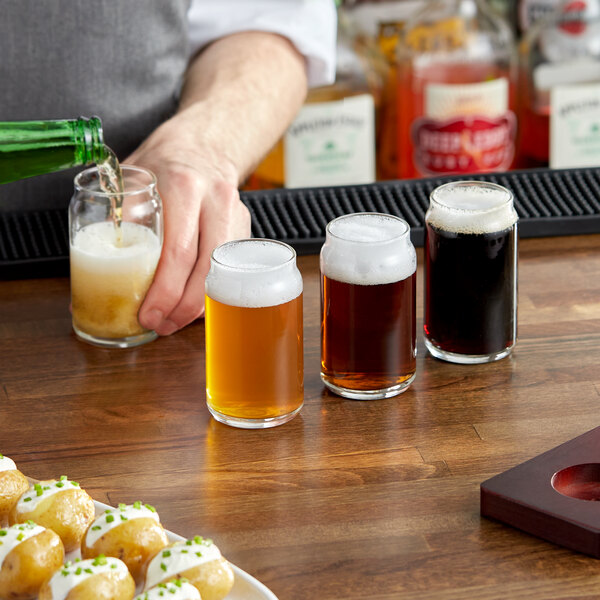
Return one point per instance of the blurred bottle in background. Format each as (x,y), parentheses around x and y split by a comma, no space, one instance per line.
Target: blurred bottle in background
(528,12)
(559,88)
(332,141)
(383,21)
(456,91)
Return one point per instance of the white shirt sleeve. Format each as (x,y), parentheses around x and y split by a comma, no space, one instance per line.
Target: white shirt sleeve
(311,25)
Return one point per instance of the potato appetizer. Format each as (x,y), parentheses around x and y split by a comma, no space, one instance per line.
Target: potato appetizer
(131,532)
(199,561)
(12,484)
(100,578)
(178,589)
(59,505)
(29,554)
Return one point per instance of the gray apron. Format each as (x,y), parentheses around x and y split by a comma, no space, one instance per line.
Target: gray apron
(121,60)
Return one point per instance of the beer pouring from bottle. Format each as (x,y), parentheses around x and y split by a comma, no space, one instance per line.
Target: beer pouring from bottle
(30,148)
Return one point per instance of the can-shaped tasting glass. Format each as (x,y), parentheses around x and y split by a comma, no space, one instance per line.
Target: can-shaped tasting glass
(368,327)
(254,334)
(115,243)
(470,272)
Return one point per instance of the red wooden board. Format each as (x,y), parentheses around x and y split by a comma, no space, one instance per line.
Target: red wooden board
(552,496)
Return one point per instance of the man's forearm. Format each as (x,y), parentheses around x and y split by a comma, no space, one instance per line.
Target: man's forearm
(240,95)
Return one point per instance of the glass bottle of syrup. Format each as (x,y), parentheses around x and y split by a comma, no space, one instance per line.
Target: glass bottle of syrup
(456,91)
(29,148)
(560,88)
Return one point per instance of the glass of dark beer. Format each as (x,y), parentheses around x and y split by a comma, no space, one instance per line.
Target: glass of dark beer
(368,330)
(470,272)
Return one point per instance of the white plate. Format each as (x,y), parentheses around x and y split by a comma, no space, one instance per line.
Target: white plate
(245,587)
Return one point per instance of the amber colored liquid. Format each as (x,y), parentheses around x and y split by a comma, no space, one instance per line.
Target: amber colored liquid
(368,334)
(107,291)
(254,359)
(411,97)
(111,182)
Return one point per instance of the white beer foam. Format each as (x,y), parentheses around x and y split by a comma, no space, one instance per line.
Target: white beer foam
(471,208)
(368,249)
(253,274)
(95,246)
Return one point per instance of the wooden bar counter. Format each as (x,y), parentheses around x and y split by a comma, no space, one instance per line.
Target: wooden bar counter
(350,500)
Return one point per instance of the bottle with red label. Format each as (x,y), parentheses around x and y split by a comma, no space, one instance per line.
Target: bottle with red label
(456,91)
(560,88)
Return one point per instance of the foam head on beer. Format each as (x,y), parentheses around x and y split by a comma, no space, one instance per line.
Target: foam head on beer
(468,207)
(253,274)
(368,249)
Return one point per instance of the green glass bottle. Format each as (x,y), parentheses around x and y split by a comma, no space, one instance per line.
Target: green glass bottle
(29,148)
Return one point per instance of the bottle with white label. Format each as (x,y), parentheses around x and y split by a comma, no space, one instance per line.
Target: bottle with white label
(560,88)
(456,99)
(332,140)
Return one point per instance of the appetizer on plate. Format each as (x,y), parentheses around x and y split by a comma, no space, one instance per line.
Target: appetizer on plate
(178,589)
(59,505)
(100,578)
(12,484)
(131,532)
(199,561)
(29,554)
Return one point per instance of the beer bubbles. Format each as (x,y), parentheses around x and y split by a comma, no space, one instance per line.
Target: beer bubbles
(471,207)
(254,274)
(368,249)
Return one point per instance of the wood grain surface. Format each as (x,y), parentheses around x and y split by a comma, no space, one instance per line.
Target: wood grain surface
(351,499)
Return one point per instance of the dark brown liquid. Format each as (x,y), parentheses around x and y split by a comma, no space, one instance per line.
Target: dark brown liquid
(470,291)
(368,333)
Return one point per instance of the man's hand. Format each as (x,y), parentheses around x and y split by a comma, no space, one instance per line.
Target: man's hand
(202,209)
(239,95)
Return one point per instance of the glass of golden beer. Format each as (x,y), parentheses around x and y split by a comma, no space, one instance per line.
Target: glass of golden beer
(115,243)
(368,306)
(254,334)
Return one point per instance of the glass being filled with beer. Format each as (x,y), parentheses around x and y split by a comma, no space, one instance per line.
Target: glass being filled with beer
(368,328)
(470,272)
(115,243)
(254,334)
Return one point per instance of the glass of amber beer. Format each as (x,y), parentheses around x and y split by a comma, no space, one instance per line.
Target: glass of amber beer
(254,334)
(470,272)
(115,243)
(368,328)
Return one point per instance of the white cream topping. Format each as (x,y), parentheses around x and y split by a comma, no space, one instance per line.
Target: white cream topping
(178,558)
(116,516)
(11,537)
(72,574)
(29,501)
(7,464)
(175,590)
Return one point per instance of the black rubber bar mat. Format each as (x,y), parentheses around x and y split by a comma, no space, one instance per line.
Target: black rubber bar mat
(549,203)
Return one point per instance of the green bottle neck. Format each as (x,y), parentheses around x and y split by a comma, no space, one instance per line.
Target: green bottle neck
(29,148)
(89,140)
